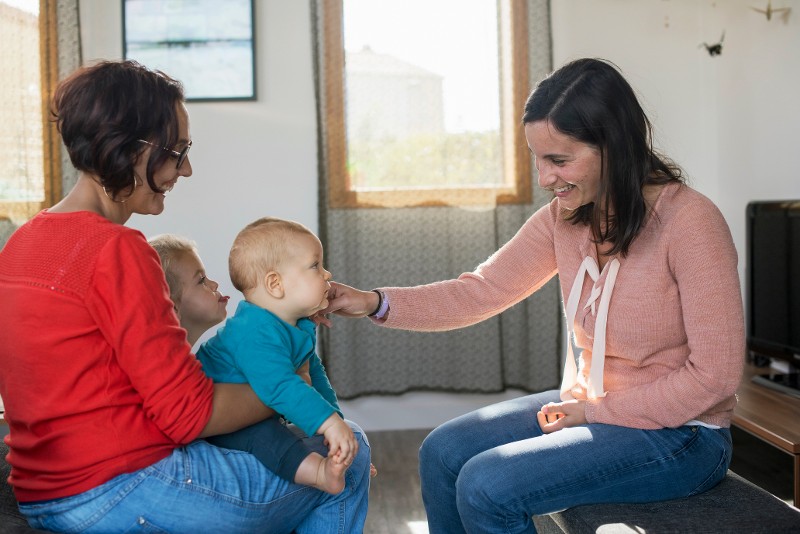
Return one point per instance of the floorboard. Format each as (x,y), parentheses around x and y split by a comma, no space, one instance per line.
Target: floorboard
(395,501)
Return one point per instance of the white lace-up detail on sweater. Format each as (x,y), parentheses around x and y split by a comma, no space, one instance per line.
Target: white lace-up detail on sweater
(594,383)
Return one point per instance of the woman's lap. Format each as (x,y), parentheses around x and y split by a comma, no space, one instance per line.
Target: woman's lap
(501,464)
(202,488)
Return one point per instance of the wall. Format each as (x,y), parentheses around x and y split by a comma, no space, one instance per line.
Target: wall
(732,121)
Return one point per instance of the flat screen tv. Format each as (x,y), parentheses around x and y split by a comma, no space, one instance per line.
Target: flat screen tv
(772,280)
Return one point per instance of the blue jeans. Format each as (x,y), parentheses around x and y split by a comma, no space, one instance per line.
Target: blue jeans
(203,488)
(493,469)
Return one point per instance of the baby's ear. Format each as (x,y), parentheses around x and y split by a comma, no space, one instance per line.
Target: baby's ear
(273,284)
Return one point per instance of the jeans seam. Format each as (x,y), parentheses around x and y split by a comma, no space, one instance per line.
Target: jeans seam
(703,486)
(186,484)
(236,501)
(523,501)
(671,456)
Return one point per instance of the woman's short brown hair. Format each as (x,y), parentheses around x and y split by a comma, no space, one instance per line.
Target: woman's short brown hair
(103,110)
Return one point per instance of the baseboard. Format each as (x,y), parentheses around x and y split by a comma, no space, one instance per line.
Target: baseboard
(417,409)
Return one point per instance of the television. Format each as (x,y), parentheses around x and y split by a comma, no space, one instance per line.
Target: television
(772,288)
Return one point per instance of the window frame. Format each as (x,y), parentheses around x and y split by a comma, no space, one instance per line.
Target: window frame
(51,142)
(513,17)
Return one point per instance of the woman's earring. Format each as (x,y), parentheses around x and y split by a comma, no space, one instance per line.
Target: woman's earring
(135,185)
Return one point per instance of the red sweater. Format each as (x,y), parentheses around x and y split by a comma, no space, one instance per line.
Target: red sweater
(95,372)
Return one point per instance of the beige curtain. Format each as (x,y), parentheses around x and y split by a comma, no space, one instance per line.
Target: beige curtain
(69,59)
(370,248)
(31,41)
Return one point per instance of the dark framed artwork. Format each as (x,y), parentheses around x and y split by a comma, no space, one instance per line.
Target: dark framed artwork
(209,45)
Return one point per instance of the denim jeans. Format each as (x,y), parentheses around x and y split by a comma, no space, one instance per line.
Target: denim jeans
(491,470)
(203,488)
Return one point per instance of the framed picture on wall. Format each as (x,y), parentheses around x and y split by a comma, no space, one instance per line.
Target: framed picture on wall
(209,45)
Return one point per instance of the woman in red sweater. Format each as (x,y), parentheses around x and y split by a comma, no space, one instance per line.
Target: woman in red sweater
(649,279)
(103,398)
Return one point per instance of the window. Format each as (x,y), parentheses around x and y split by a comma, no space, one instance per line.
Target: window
(30,161)
(422,102)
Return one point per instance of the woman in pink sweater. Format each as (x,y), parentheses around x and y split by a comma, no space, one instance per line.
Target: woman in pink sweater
(648,274)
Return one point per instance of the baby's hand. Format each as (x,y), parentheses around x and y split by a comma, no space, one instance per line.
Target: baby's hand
(342,444)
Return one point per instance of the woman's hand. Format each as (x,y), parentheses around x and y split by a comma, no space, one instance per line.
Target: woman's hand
(557,415)
(348,302)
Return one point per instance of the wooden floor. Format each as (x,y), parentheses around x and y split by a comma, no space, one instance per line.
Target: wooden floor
(395,502)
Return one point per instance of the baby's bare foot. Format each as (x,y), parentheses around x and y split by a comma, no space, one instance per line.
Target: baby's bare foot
(330,476)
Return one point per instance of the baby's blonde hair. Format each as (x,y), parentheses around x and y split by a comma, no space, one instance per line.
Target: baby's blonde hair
(259,248)
(169,248)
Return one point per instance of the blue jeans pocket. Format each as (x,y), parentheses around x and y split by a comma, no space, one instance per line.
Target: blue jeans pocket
(85,511)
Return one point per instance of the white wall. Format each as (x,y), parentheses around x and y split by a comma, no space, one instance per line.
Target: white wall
(732,122)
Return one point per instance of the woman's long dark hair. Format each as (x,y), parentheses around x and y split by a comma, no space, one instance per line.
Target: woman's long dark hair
(103,110)
(590,101)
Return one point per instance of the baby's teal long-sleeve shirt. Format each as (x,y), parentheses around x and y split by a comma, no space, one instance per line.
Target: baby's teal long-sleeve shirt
(257,347)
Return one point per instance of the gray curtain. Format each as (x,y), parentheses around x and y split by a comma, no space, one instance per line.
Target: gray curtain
(69,59)
(369,248)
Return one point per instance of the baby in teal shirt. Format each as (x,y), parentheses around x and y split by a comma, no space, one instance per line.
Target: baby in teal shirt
(277,265)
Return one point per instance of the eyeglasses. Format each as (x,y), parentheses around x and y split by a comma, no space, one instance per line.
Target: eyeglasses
(182,155)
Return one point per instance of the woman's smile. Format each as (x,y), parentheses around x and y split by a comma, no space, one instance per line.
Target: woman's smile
(567,167)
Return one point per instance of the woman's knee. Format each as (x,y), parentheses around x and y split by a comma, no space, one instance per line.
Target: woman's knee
(431,450)
(474,489)
(364,454)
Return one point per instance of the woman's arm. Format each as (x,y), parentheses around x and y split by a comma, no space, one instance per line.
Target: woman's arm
(235,406)
(130,303)
(523,265)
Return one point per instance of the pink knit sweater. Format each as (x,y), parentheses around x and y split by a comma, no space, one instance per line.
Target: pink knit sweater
(675,341)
